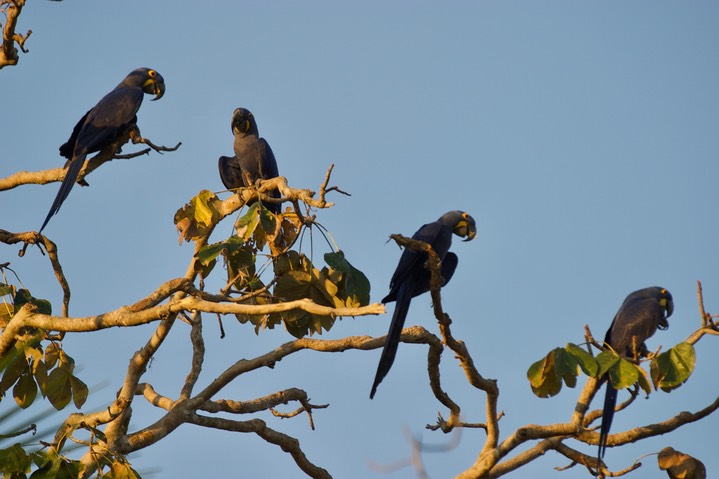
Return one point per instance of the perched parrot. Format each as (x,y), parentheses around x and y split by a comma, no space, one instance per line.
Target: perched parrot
(103,124)
(412,277)
(253,156)
(681,466)
(642,313)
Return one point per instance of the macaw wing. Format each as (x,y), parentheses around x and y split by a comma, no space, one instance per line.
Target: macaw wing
(421,286)
(110,117)
(411,261)
(67,148)
(230,172)
(268,166)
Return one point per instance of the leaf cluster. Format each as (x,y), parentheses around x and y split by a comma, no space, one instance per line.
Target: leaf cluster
(33,365)
(16,463)
(28,367)
(295,276)
(669,370)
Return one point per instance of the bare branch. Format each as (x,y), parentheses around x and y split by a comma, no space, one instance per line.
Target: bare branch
(32,238)
(306,407)
(125,316)
(158,148)
(108,153)
(198,355)
(31,427)
(8,53)
(259,427)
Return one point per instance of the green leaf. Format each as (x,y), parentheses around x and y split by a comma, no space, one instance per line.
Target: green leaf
(14,370)
(52,353)
(298,323)
(39,458)
(247,224)
(14,459)
(210,252)
(623,374)
(605,360)
(268,220)
(673,368)
(6,289)
(25,390)
(69,469)
(288,261)
(566,366)
(586,361)
(7,311)
(33,355)
(543,377)
(240,261)
(354,287)
(297,278)
(58,468)
(337,261)
(66,361)
(40,373)
(121,470)
(79,391)
(58,387)
(23,297)
(295,285)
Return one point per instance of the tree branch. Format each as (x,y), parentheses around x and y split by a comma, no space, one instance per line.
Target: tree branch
(29,238)
(8,53)
(108,153)
(125,316)
(458,347)
(198,356)
(288,443)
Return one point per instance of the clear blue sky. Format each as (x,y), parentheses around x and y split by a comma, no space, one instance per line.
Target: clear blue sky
(582,136)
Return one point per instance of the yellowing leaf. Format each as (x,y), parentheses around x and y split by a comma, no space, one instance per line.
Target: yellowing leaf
(196,218)
(121,470)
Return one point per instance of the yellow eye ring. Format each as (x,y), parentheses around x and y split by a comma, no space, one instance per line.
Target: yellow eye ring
(152,73)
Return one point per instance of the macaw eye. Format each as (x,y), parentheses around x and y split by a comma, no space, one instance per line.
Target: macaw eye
(465,215)
(664,291)
(152,73)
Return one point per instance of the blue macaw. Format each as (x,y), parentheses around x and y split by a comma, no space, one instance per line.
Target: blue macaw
(253,156)
(412,277)
(641,314)
(103,124)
